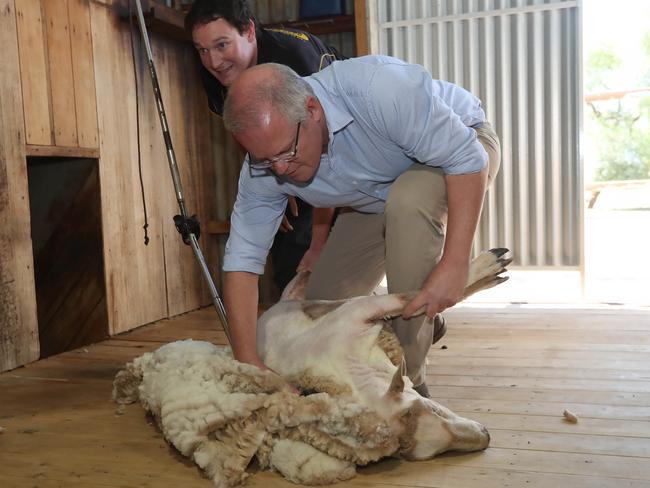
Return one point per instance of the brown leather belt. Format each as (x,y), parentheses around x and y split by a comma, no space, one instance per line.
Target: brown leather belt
(343,210)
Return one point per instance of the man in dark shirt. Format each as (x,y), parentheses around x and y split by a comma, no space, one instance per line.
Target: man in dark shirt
(229,40)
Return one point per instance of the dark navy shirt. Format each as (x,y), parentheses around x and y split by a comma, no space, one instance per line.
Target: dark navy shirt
(302,52)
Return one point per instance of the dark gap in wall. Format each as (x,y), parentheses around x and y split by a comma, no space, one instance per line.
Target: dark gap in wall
(68,258)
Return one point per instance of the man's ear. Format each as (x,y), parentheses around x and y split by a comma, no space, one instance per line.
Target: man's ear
(314,109)
(249,33)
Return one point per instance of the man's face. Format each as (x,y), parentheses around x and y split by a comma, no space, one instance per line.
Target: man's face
(224,52)
(275,144)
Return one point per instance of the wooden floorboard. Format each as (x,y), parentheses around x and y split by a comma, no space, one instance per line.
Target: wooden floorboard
(513,369)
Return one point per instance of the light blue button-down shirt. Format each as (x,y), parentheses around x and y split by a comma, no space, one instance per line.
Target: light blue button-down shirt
(382,115)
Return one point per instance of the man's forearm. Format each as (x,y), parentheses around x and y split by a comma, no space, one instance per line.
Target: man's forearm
(322,222)
(465,195)
(241,301)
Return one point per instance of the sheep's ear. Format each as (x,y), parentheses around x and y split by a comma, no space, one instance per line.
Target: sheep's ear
(397,383)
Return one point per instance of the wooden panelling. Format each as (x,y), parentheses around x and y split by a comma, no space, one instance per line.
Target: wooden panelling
(83,72)
(162,279)
(135,273)
(34,72)
(187,114)
(18,327)
(61,74)
(57,72)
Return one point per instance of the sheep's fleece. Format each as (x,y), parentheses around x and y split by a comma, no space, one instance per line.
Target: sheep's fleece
(223,413)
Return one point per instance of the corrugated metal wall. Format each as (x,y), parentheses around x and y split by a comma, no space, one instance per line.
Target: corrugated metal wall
(522,58)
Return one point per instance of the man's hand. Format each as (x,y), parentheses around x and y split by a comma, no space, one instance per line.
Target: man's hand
(285,226)
(257,362)
(442,289)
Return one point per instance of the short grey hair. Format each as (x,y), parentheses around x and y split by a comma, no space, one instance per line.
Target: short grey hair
(284,91)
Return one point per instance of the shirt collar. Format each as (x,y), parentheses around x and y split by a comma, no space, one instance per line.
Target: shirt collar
(336,116)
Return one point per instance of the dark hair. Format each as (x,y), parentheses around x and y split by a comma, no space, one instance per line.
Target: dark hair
(238,13)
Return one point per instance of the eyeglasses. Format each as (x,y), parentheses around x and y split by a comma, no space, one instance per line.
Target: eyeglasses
(287,157)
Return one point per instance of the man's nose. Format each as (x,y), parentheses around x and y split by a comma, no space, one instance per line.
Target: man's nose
(280,167)
(214,58)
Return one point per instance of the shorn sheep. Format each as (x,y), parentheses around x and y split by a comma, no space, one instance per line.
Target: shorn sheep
(358,407)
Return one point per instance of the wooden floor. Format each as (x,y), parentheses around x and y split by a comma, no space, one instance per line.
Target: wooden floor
(513,369)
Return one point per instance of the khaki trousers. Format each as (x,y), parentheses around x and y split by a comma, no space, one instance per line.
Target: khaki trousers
(404,243)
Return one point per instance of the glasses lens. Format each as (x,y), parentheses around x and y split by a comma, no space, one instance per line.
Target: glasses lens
(282,158)
(258,163)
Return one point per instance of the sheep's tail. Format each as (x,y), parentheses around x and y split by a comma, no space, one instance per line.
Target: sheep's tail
(296,289)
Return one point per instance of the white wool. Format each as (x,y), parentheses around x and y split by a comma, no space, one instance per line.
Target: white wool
(301,463)
(221,413)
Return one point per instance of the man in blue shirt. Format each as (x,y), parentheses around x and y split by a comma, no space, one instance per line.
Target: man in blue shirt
(228,40)
(408,157)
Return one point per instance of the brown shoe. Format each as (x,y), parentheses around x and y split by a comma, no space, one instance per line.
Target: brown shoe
(422,390)
(439,328)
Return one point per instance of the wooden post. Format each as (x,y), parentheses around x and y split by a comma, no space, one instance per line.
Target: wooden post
(361,27)
(18,325)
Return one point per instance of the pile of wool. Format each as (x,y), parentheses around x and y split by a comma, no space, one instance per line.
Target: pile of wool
(224,414)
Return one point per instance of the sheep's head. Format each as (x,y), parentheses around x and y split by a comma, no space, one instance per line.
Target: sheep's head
(427,428)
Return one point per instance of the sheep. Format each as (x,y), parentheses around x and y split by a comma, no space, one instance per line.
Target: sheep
(223,413)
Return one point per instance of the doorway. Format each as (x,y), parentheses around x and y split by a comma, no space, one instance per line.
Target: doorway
(68,257)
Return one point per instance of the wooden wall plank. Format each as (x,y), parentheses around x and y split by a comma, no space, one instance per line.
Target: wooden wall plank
(83,72)
(187,114)
(34,72)
(61,73)
(18,326)
(135,274)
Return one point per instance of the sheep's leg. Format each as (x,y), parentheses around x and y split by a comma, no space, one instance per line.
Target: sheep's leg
(485,271)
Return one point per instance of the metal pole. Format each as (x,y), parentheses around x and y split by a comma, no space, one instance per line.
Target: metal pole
(176,178)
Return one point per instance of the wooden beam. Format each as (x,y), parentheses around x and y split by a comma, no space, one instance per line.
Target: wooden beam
(18,324)
(62,151)
(614,95)
(361,27)
(325,25)
(158,18)
(218,227)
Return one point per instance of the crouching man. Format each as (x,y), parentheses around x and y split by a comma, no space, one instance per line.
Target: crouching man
(407,157)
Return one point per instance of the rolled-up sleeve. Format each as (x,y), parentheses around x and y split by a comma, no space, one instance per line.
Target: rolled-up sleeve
(254,222)
(420,122)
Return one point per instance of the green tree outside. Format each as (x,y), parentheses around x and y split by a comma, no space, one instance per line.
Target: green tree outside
(621,127)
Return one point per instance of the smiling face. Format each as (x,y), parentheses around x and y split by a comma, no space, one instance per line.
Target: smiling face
(224,52)
(276,137)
